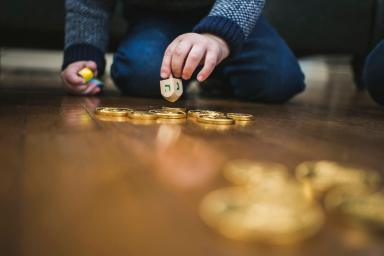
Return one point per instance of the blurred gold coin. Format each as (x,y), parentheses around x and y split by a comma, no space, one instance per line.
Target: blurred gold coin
(215,127)
(217,204)
(243,171)
(242,214)
(357,207)
(241,116)
(162,113)
(142,115)
(174,109)
(218,120)
(197,112)
(323,175)
(108,111)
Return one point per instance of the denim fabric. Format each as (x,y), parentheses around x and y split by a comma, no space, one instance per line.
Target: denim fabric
(373,75)
(265,70)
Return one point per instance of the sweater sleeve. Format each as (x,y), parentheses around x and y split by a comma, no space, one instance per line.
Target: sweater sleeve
(232,20)
(87,31)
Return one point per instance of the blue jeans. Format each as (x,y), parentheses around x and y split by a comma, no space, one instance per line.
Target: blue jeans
(373,75)
(265,70)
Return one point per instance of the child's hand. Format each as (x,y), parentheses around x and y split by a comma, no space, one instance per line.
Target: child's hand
(74,83)
(189,50)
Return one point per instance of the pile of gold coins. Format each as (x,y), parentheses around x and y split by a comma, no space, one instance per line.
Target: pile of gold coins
(266,204)
(200,116)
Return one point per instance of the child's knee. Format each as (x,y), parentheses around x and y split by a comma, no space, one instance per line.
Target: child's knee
(373,74)
(136,79)
(136,66)
(272,84)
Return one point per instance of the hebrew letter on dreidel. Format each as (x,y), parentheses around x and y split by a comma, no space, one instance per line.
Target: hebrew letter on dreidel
(179,87)
(166,88)
(171,89)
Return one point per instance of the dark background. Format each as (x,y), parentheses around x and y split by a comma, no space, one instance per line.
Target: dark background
(349,27)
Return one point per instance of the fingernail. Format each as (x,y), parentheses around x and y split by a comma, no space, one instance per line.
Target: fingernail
(163,74)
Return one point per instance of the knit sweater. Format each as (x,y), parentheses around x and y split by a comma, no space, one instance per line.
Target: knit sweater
(87,23)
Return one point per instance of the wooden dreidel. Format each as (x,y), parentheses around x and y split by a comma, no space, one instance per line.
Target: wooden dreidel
(171,89)
(86,73)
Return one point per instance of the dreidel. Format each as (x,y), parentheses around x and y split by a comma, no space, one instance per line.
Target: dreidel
(171,88)
(86,73)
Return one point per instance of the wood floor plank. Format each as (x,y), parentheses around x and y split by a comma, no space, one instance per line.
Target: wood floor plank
(72,184)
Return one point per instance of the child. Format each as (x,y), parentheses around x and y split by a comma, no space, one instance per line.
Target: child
(234,43)
(374,73)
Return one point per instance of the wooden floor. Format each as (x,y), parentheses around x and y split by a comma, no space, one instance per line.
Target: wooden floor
(71,184)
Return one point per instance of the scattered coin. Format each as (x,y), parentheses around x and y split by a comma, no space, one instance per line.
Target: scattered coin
(218,120)
(243,171)
(323,175)
(203,116)
(256,215)
(162,113)
(142,115)
(115,112)
(241,116)
(215,127)
(357,206)
(197,112)
(112,118)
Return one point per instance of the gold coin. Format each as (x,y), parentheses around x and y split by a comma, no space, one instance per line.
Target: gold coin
(197,112)
(358,207)
(241,116)
(240,214)
(323,175)
(142,115)
(243,172)
(218,120)
(112,118)
(174,109)
(215,127)
(166,114)
(116,112)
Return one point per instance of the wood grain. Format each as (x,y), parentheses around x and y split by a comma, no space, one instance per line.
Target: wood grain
(74,185)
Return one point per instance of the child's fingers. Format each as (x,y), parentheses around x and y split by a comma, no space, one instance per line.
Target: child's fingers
(95,91)
(73,78)
(178,57)
(193,60)
(209,65)
(166,65)
(89,89)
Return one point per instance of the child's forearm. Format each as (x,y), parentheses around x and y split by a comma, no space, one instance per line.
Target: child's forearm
(86,30)
(232,20)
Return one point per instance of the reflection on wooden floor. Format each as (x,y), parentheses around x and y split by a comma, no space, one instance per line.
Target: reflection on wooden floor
(71,184)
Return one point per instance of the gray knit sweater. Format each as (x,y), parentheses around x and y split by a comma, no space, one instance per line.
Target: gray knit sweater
(87,23)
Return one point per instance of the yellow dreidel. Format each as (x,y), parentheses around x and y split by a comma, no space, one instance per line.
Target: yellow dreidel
(86,73)
(171,89)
